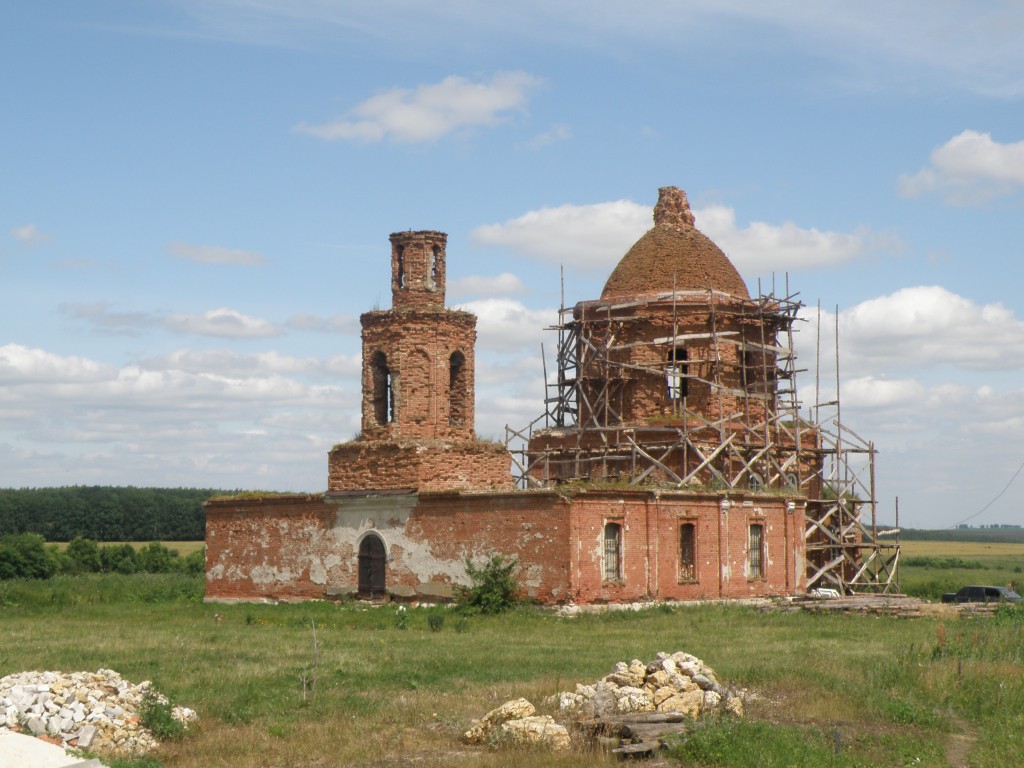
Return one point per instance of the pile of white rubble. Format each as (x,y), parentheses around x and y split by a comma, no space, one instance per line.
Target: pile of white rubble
(93,711)
(679,684)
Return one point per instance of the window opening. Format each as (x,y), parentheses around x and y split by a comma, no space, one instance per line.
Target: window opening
(383,390)
(612,552)
(687,552)
(435,253)
(676,371)
(457,389)
(401,266)
(755,554)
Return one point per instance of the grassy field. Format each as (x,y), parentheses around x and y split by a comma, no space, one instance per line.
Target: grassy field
(183,548)
(933,567)
(827,690)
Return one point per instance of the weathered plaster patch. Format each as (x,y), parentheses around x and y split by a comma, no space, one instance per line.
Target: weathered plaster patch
(317,572)
(356,516)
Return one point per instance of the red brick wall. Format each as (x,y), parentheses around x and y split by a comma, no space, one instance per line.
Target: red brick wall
(363,465)
(418,269)
(418,346)
(531,527)
(300,547)
(295,548)
(650,547)
(271,548)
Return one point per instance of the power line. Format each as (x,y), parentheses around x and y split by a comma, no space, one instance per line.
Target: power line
(1005,489)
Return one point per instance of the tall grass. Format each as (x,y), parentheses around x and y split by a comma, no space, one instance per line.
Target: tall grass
(838,690)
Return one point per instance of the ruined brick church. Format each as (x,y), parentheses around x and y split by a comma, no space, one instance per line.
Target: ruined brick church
(672,461)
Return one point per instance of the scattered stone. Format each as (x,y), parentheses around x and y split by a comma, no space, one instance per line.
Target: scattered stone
(676,682)
(539,730)
(632,709)
(98,711)
(510,710)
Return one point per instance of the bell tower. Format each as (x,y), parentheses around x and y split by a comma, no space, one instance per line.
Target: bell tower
(418,356)
(417,407)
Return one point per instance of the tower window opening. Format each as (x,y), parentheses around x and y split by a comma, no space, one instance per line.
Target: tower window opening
(676,371)
(400,278)
(383,390)
(435,253)
(457,389)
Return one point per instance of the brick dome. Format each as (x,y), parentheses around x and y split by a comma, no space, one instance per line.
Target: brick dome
(674,250)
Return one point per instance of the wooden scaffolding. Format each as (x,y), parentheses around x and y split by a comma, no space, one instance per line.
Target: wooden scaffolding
(757,440)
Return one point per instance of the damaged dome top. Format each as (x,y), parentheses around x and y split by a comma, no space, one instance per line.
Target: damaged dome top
(674,254)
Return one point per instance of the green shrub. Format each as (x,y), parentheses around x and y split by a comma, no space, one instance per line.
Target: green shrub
(194,564)
(493,588)
(435,620)
(83,556)
(24,556)
(156,558)
(156,715)
(118,558)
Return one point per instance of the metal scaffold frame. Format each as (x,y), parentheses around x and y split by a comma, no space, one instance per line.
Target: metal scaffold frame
(764,443)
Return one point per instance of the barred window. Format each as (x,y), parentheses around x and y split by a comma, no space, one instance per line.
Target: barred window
(687,552)
(755,553)
(612,552)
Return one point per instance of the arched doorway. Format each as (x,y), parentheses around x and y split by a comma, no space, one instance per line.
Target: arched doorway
(372,559)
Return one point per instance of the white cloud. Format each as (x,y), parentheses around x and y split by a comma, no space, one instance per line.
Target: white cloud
(222,322)
(969,168)
(23,365)
(212,254)
(761,247)
(595,237)
(333,324)
(429,112)
(29,234)
(478,285)
(227,362)
(876,392)
(503,323)
(587,237)
(927,326)
(191,418)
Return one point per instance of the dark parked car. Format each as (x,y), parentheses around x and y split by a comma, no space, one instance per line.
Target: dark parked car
(982,595)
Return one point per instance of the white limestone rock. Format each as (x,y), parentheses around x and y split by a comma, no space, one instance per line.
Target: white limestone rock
(481,729)
(540,731)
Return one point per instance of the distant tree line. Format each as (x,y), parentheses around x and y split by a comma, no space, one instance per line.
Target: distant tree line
(27,556)
(979,535)
(106,513)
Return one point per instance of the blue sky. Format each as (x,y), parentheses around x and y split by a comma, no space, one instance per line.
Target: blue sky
(196,196)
